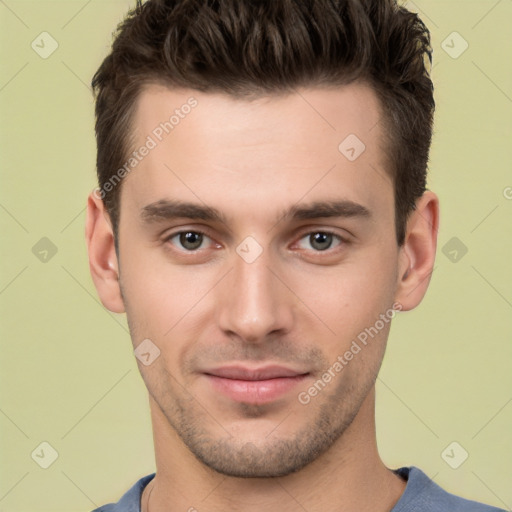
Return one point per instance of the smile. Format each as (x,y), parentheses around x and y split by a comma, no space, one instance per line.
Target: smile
(254,386)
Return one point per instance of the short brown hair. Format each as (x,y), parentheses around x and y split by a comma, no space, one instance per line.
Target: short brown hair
(258,47)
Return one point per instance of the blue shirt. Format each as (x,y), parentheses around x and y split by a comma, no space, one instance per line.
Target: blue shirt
(421,495)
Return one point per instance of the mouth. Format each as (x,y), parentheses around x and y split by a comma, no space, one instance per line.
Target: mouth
(254,386)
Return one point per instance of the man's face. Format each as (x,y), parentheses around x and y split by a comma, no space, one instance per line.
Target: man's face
(249,310)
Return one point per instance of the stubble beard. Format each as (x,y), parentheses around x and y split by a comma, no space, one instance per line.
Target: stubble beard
(273,455)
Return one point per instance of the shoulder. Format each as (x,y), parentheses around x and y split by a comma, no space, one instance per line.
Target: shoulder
(423,495)
(130,501)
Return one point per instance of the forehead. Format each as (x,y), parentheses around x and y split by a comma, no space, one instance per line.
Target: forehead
(267,150)
(311,112)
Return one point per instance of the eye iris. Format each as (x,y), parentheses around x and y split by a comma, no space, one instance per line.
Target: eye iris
(191,239)
(321,241)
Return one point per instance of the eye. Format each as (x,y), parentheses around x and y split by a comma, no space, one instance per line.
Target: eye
(194,240)
(321,240)
(189,240)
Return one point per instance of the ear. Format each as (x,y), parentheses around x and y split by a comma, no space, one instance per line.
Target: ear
(103,262)
(417,255)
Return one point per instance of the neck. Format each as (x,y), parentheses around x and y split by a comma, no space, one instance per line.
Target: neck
(349,476)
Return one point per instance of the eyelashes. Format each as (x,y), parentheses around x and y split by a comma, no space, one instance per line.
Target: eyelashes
(193,240)
(324,234)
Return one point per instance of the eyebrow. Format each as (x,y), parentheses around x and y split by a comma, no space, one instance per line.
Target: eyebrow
(168,209)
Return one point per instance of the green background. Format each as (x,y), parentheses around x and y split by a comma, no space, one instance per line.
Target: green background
(68,375)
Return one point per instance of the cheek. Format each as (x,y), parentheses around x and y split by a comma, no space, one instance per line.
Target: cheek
(158,290)
(347,298)
(167,304)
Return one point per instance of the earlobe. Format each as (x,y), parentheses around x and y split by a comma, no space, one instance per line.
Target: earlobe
(103,262)
(417,255)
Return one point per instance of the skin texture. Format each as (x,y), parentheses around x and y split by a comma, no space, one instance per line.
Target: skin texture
(295,305)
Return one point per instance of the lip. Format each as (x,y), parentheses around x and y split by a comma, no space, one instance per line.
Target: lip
(254,385)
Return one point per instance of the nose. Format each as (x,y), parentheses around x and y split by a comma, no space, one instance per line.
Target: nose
(253,302)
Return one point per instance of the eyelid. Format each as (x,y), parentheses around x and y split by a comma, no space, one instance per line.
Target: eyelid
(304,233)
(169,236)
(327,230)
(342,240)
